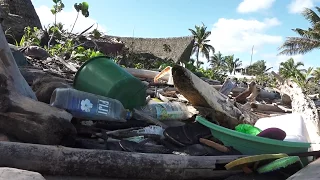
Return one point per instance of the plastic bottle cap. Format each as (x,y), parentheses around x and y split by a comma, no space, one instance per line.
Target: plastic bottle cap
(129,115)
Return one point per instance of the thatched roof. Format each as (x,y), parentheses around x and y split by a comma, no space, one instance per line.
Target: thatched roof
(176,48)
(21,13)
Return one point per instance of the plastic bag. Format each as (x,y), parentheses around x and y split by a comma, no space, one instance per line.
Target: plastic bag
(247,129)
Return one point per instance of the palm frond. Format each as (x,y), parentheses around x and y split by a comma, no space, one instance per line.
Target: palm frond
(311,16)
(298,45)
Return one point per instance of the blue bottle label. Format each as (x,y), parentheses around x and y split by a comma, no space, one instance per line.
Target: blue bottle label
(89,106)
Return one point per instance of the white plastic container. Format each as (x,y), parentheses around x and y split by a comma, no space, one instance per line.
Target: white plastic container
(292,124)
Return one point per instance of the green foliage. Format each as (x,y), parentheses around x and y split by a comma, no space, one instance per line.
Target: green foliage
(30,37)
(201,45)
(96,33)
(57,7)
(290,69)
(232,64)
(266,79)
(302,77)
(308,39)
(223,64)
(83,8)
(257,68)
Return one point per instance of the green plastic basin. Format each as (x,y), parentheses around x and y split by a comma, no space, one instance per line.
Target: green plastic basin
(101,76)
(252,145)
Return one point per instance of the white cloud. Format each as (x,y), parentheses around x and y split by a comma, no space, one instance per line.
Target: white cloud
(67,18)
(232,36)
(247,6)
(297,6)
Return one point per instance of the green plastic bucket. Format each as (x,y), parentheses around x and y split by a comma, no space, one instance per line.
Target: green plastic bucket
(101,76)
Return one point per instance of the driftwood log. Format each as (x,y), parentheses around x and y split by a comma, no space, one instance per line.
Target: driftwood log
(200,93)
(52,160)
(21,115)
(303,105)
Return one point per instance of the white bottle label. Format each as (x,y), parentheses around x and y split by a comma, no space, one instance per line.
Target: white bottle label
(103,107)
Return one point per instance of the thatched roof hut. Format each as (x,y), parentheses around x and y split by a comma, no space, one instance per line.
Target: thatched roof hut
(21,13)
(175,48)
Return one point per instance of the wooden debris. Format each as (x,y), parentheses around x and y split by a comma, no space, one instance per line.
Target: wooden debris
(52,160)
(200,93)
(21,115)
(268,107)
(243,96)
(70,66)
(303,105)
(214,145)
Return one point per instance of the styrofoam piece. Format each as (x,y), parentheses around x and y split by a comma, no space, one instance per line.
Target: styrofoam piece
(292,124)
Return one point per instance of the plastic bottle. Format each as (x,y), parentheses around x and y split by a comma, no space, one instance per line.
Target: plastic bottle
(165,111)
(85,105)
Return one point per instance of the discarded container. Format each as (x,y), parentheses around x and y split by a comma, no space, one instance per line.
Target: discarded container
(85,105)
(252,145)
(165,71)
(166,111)
(292,124)
(101,76)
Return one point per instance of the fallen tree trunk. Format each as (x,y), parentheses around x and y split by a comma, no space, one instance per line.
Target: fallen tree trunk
(200,93)
(52,160)
(21,115)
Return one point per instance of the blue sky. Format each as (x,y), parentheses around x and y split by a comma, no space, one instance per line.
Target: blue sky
(236,25)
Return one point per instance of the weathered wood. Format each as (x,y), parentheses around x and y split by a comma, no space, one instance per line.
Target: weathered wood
(148,74)
(21,115)
(243,96)
(52,160)
(268,107)
(200,93)
(310,172)
(303,105)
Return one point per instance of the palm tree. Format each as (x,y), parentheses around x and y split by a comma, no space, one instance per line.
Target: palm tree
(258,68)
(290,69)
(201,45)
(316,73)
(303,76)
(232,64)
(217,60)
(308,40)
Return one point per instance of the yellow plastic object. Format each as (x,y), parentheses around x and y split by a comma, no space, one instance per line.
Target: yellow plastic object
(250,160)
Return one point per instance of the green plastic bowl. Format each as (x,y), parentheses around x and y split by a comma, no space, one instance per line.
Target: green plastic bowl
(101,76)
(252,145)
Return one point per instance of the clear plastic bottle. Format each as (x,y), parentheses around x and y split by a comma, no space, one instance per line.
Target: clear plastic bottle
(89,106)
(165,111)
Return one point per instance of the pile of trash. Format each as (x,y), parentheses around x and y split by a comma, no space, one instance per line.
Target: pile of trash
(173,112)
